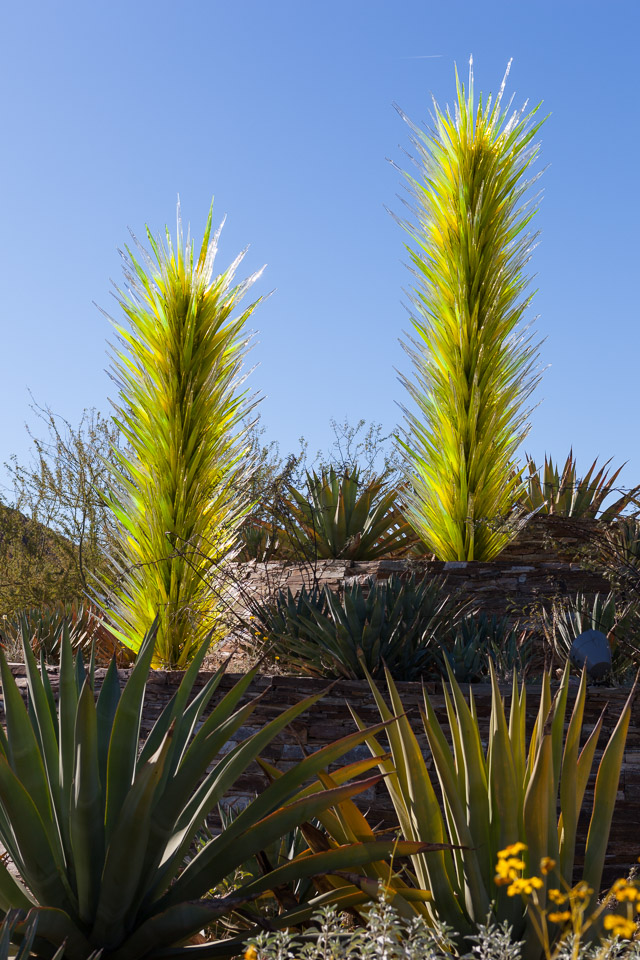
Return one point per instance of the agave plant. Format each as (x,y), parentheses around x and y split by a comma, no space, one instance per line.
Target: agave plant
(16,928)
(571,616)
(101,832)
(625,540)
(395,622)
(179,488)
(479,640)
(497,792)
(567,494)
(44,627)
(338,516)
(473,362)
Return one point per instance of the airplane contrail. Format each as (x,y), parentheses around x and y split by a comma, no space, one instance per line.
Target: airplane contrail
(427,56)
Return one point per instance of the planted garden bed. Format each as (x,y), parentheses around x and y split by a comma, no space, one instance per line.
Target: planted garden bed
(331,718)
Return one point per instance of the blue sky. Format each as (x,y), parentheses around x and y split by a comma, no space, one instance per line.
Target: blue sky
(283,111)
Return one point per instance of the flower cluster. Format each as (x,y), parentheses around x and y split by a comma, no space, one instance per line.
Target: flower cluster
(625,892)
(509,864)
(509,871)
(619,926)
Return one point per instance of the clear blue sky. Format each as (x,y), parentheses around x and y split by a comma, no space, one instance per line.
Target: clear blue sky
(282,110)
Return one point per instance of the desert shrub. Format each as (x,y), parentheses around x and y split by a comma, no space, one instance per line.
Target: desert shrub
(57,531)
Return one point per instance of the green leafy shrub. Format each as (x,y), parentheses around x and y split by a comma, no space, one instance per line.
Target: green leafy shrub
(387,933)
(180,488)
(101,832)
(58,532)
(400,623)
(566,494)
(473,362)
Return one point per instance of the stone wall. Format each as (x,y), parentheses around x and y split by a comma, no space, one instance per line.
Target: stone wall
(330,718)
(501,587)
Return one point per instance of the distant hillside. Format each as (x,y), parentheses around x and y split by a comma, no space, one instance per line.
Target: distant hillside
(37,565)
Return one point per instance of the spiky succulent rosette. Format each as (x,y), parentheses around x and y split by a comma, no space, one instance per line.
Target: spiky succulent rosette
(180,488)
(473,359)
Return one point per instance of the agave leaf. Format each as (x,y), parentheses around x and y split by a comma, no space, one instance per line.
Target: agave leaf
(223,854)
(503,782)
(175,710)
(26,760)
(125,735)
(106,707)
(475,777)
(570,802)
(536,801)
(12,893)
(68,699)
(124,861)
(344,857)
(174,923)
(56,927)
(86,815)
(604,800)
(39,865)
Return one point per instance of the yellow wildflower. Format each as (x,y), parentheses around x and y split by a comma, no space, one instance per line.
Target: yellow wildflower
(557,896)
(619,926)
(561,916)
(251,953)
(524,885)
(512,850)
(507,870)
(547,865)
(624,891)
(582,891)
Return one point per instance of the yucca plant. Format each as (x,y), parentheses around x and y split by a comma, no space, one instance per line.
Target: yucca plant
(339,516)
(401,623)
(180,484)
(499,791)
(473,362)
(567,494)
(101,832)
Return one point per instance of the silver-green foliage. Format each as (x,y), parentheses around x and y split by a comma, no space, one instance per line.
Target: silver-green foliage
(387,935)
